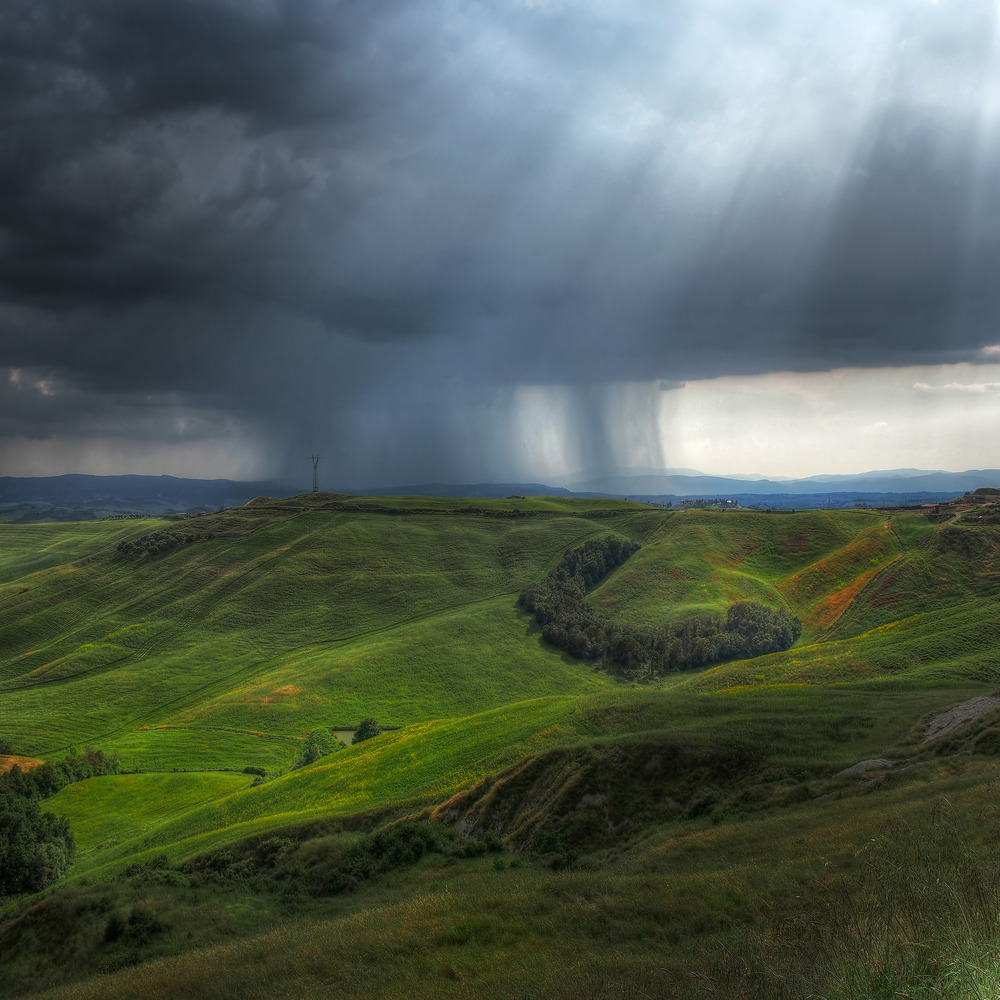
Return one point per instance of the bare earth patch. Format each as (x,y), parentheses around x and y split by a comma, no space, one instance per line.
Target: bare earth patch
(7,761)
(968,711)
(862,767)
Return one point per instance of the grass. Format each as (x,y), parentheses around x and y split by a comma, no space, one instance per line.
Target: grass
(707,560)
(408,767)
(684,838)
(7,761)
(104,646)
(894,896)
(793,736)
(174,748)
(455,663)
(105,812)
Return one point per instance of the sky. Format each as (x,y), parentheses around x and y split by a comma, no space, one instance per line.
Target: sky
(474,240)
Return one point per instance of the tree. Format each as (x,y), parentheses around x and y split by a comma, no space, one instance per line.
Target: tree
(366,730)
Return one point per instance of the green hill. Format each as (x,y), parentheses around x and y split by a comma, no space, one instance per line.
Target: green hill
(207,650)
(104,646)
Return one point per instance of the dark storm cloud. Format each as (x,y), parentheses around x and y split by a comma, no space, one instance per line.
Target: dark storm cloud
(344,224)
(108,105)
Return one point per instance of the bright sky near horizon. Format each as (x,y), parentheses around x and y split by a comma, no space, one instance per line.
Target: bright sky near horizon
(498,241)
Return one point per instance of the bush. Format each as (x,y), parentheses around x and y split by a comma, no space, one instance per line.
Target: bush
(139,928)
(367,728)
(114,928)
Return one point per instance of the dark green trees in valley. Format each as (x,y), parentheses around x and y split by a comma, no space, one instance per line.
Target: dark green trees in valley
(37,847)
(568,622)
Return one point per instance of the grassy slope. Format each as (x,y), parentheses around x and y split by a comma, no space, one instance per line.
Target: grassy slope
(422,763)
(245,643)
(425,763)
(130,807)
(103,650)
(689,911)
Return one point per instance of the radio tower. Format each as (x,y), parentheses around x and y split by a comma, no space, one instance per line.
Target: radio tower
(315,462)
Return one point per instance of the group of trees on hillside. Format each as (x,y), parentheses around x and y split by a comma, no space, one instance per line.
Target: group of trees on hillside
(570,623)
(155,542)
(367,728)
(37,847)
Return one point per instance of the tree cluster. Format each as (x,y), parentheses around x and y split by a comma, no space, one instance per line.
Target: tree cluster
(568,622)
(367,728)
(37,847)
(155,542)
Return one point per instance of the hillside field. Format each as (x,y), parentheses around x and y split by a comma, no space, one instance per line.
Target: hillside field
(526,824)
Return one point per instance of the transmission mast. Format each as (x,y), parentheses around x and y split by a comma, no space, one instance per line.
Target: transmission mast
(315,462)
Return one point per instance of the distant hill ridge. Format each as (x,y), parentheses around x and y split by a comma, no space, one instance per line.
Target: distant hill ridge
(79,496)
(892,481)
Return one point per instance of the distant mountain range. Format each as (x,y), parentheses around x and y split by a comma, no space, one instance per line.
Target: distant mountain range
(97,495)
(81,497)
(671,482)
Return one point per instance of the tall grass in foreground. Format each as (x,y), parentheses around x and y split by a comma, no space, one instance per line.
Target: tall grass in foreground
(720,911)
(919,919)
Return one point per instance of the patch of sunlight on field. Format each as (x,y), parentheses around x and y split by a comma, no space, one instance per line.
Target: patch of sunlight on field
(419,765)
(174,748)
(106,811)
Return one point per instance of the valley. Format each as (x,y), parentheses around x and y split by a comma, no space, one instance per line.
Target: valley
(527,823)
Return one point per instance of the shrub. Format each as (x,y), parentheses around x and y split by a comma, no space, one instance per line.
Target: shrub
(114,928)
(143,923)
(367,728)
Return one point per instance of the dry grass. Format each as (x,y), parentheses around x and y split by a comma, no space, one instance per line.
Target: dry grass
(7,761)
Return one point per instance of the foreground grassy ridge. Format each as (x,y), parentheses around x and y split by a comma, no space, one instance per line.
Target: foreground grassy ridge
(871,895)
(407,768)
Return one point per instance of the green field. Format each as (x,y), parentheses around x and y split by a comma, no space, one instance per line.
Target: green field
(651,828)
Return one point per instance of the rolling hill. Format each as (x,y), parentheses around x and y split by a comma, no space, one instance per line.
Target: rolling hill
(218,656)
